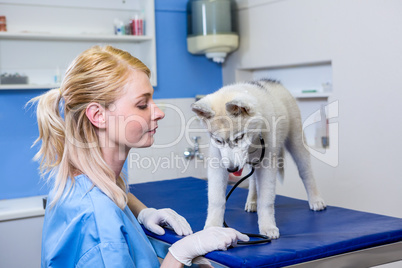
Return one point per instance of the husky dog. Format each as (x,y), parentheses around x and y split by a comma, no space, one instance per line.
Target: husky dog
(238,117)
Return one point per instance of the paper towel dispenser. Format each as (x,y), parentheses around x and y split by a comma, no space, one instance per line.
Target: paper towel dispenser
(210,29)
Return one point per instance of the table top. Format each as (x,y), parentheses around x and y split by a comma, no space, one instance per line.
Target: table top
(305,235)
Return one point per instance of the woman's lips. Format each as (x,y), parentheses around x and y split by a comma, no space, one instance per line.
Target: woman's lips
(153,131)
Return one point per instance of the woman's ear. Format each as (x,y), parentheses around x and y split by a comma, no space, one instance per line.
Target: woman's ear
(96,114)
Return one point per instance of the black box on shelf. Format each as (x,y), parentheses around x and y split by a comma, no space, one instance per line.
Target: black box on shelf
(13,79)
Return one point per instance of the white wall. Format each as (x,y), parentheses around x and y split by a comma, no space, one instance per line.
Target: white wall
(363,41)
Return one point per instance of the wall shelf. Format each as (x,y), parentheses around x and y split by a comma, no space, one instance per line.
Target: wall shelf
(42,43)
(28,86)
(73,37)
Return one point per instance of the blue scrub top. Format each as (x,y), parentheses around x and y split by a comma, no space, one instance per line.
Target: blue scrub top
(87,229)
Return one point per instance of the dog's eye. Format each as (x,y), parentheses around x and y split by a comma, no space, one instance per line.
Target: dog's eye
(219,142)
(239,138)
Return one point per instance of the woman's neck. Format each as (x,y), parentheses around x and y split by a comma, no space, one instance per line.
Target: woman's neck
(115,158)
(113,154)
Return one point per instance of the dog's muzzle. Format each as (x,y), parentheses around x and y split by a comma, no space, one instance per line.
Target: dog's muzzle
(231,170)
(236,171)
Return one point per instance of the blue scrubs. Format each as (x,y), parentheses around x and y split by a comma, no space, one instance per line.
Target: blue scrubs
(87,229)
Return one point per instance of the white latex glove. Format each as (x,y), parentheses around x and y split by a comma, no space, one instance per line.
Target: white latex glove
(153,219)
(202,242)
(202,262)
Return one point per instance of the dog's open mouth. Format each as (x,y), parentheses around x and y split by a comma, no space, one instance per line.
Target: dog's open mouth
(238,173)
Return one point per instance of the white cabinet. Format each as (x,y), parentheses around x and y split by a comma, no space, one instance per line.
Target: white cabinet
(21,242)
(44,36)
(21,222)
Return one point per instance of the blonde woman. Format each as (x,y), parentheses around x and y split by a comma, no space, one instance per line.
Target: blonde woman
(91,220)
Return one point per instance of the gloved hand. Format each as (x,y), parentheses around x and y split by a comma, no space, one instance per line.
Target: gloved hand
(202,242)
(202,262)
(153,219)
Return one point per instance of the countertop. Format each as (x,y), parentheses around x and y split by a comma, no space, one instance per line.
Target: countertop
(12,209)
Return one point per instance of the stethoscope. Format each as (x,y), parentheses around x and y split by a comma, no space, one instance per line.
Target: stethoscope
(261,238)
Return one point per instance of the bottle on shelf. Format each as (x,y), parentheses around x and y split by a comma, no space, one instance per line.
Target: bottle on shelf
(57,76)
(3,24)
(138,24)
(119,27)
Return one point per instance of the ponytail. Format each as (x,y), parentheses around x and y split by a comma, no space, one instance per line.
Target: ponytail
(51,130)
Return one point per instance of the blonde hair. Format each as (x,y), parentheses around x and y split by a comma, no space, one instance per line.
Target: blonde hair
(71,146)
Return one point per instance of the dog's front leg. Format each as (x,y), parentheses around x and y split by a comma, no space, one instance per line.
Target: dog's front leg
(251,203)
(217,183)
(266,184)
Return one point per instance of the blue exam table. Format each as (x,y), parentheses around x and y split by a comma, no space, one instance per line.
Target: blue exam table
(336,237)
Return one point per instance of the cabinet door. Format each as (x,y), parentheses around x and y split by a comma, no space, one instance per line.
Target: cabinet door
(21,242)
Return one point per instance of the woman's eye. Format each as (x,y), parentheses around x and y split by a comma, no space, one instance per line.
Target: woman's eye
(143,107)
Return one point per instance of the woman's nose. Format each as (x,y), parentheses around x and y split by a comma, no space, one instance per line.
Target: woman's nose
(158,114)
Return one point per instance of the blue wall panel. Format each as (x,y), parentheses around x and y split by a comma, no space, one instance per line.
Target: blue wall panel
(180,75)
(170,5)
(18,130)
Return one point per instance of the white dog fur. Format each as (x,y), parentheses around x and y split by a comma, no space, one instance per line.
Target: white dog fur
(235,116)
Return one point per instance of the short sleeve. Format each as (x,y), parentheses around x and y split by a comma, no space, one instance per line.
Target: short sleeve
(107,255)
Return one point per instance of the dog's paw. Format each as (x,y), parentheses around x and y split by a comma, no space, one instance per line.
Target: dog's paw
(251,206)
(317,204)
(272,232)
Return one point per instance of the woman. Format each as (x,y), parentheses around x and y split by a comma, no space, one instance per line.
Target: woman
(106,99)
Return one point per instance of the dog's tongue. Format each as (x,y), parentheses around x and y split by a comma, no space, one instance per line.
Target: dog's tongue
(238,173)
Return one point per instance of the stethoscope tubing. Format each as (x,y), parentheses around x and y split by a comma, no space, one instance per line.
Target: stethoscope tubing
(262,238)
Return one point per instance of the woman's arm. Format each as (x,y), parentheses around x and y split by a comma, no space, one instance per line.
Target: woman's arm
(134,204)
(153,219)
(170,262)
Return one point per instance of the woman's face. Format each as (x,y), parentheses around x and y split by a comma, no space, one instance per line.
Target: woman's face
(132,119)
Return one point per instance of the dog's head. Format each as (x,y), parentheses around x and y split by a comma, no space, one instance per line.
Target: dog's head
(234,123)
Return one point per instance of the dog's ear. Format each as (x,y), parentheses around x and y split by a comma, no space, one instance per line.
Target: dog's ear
(238,107)
(202,109)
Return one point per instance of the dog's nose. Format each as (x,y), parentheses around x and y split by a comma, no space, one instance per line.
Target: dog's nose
(231,170)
